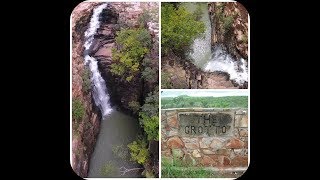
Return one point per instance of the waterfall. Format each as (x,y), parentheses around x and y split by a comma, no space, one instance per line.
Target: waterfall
(99,91)
(222,61)
(215,59)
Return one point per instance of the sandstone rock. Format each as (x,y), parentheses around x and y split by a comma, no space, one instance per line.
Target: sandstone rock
(192,145)
(235,144)
(172,121)
(208,161)
(189,140)
(224,152)
(205,142)
(243,132)
(216,144)
(226,161)
(170,113)
(207,151)
(175,142)
(173,132)
(240,161)
(196,153)
(241,121)
(177,153)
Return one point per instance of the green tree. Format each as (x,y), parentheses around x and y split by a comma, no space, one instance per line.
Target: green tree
(149,115)
(132,45)
(178,28)
(139,151)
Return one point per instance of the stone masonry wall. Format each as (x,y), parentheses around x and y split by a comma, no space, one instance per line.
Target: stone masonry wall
(205,137)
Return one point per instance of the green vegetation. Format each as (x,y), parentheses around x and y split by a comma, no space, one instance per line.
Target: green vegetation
(165,81)
(149,74)
(109,169)
(134,106)
(120,151)
(149,115)
(86,83)
(144,18)
(178,28)
(172,170)
(77,109)
(226,21)
(132,45)
(139,150)
(204,102)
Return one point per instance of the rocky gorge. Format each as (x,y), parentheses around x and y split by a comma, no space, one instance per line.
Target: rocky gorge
(219,58)
(87,114)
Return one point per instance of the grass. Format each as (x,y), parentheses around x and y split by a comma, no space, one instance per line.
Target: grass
(173,170)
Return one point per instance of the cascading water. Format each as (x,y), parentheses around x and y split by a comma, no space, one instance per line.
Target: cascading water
(222,61)
(99,91)
(216,59)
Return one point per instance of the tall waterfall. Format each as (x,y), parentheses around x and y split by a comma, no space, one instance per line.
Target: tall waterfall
(99,91)
(215,59)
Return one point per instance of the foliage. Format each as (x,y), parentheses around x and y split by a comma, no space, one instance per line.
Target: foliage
(151,105)
(178,28)
(120,151)
(172,170)
(144,18)
(165,81)
(149,74)
(139,151)
(133,44)
(86,83)
(108,169)
(149,115)
(205,102)
(198,12)
(134,106)
(150,126)
(77,109)
(227,23)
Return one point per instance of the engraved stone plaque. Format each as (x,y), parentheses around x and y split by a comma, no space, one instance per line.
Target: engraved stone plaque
(201,124)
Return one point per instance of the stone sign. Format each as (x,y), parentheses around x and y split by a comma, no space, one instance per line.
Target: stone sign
(205,124)
(206,137)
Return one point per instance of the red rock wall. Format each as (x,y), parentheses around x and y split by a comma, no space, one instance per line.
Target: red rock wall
(229,151)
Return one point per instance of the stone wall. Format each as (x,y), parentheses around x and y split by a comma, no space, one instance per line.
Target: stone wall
(205,137)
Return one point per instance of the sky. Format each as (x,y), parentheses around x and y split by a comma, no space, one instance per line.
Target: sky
(200,93)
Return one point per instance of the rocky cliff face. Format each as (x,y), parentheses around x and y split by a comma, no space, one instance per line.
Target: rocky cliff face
(230,27)
(84,130)
(184,74)
(119,15)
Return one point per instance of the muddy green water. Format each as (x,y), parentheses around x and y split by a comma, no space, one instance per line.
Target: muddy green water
(116,129)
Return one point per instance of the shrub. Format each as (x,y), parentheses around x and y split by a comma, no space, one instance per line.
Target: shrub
(77,109)
(178,28)
(227,23)
(139,151)
(144,18)
(165,81)
(150,74)
(134,106)
(150,126)
(133,44)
